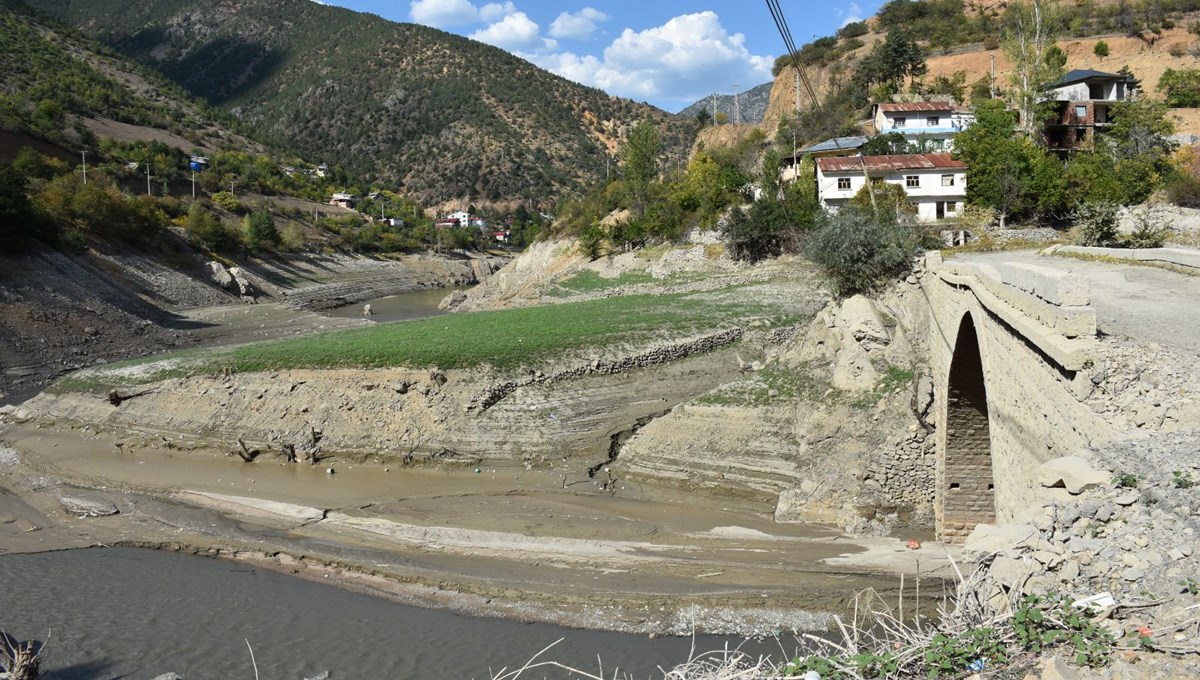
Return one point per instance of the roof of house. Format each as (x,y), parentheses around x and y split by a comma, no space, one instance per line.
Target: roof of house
(1081,74)
(916,107)
(835,144)
(909,161)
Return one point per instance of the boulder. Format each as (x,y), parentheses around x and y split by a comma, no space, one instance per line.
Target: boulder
(242,283)
(219,274)
(88,506)
(452,301)
(1073,473)
(168,676)
(859,317)
(986,539)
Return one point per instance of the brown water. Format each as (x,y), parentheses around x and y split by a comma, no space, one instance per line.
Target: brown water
(398,307)
(126,613)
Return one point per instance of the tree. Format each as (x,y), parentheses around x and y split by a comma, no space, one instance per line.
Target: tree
(17,215)
(207,229)
(703,118)
(640,152)
(261,233)
(1000,167)
(890,200)
(888,144)
(1056,59)
(1181,87)
(1101,49)
(860,249)
(1140,128)
(1026,41)
(890,62)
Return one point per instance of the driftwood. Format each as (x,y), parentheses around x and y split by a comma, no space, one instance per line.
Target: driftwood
(21,659)
(115,397)
(246,453)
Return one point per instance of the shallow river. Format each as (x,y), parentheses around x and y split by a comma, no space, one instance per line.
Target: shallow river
(398,307)
(127,613)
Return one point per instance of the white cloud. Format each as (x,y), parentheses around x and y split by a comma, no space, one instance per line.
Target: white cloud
(851,15)
(443,13)
(579,25)
(516,33)
(679,62)
(495,10)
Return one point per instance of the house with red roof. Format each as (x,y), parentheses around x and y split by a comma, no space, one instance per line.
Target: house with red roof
(935,183)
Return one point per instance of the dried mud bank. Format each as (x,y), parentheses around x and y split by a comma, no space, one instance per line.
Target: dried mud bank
(61,312)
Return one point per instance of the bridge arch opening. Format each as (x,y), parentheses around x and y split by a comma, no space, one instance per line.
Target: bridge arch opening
(967,488)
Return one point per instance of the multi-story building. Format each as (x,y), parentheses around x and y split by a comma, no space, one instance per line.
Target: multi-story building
(1082,100)
(934,182)
(928,126)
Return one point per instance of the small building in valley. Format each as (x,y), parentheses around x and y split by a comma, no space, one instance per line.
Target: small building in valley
(928,126)
(934,182)
(342,200)
(838,146)
(1082,100)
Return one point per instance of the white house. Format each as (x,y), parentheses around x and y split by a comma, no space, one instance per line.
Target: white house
(931,125)
(935,183)
(343,200)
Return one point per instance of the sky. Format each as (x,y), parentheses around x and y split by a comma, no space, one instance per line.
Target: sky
(669,53)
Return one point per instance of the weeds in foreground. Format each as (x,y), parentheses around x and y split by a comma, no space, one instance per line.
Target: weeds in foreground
(978,628)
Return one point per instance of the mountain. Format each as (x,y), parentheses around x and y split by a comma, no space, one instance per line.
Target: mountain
(60,90)
(446,118)
(751,105)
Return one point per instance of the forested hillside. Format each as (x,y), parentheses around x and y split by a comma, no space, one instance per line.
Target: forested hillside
(444,117)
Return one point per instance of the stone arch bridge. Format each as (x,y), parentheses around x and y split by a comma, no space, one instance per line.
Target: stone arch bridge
(1011,349)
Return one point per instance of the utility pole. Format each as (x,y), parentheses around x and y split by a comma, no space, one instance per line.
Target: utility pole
(992,86)
(84,153)
(737,106)
(714,104)
(147,179)
(193,185)
(797,94)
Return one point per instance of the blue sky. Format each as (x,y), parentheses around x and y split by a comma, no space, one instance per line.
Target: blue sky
(666,52)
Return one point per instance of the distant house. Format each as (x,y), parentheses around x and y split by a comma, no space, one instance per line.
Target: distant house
(838,146)
(393,221)
(446,224)
(928,125)
(342,200)
(462,216)
(935,183)
(1082,99)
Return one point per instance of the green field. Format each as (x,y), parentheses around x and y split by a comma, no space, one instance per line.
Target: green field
(503,339)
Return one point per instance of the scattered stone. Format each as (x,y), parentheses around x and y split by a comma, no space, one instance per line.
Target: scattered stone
(986,539)
(1057,668)
(1128,499)
(168,676)
(1073,473)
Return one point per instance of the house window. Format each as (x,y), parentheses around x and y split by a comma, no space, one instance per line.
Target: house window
(1096,91)
(899,121)
(951,207)
(947,180)
(1081,112)
(933,121)
(1080,134)
(912,181)
(843,183)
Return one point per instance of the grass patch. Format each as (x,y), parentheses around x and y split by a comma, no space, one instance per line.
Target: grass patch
(503,339)
(773,384)
(588,281)
(893,380)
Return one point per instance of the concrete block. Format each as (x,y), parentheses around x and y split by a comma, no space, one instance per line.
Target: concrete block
(1053,286)
(1074,473)
(933,259)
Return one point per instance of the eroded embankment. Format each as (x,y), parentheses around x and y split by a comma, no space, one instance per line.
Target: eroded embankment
(563,408)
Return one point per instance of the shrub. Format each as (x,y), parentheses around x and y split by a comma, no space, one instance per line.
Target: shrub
(1097,221)
(859,249)
(1184,190)
(227,201)
(853,29)
(207,230)
(1101,49)
(1150,229)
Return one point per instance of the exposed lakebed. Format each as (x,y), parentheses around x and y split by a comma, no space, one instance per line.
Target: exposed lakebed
(137,613)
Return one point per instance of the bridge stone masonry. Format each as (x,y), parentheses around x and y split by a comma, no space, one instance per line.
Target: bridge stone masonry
(1011,349)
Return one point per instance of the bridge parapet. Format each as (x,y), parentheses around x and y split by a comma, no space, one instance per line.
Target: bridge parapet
(1050,309)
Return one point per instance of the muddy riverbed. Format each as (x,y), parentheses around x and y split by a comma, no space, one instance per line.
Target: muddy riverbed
(397,307)
(127,613)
